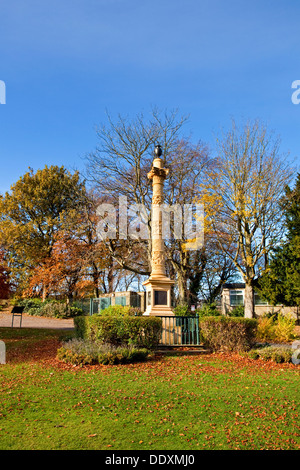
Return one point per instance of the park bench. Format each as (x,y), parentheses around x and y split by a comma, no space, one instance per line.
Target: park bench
(17,311)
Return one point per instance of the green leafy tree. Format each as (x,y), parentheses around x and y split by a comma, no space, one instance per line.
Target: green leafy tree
(281,282)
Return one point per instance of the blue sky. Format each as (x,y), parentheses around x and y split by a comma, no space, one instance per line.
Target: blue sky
(65,62)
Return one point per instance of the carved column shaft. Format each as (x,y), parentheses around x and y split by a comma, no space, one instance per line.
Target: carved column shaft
(158,286)
(158,175)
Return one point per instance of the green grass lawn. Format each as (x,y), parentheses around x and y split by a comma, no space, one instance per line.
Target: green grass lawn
(189,402)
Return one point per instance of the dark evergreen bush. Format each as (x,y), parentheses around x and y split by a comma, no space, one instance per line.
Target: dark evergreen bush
(208,310)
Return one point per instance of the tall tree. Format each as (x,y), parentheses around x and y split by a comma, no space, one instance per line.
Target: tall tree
(247,190)
(119,167)
(280,284)
(38,206)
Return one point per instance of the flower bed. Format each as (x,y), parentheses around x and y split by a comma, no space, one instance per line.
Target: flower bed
(83,352)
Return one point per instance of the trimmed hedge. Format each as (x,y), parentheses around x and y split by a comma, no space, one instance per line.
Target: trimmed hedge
(228,333)
(142,332)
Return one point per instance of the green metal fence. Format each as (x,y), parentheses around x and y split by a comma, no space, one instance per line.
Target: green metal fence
(132,299)
(96,305)
(180,331)
(176,331)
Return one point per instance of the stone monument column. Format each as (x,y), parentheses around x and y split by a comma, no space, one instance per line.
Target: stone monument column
(158,286)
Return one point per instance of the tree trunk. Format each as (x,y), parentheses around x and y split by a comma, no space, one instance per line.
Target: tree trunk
(96,275)
(182,288)
(96,292)
(44,294)
(110,280)
(249,301)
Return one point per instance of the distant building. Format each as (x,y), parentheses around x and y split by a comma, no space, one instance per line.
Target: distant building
(126,298)
(232,295)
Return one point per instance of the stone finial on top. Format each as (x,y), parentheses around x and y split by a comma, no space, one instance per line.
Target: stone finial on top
(157,169)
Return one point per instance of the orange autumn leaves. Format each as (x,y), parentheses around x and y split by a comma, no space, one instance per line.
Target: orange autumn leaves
(67,270)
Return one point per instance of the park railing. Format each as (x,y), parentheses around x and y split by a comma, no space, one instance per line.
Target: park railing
(180,331)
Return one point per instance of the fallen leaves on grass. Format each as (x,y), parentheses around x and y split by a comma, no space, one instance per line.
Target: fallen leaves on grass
(41,351)
(45,351)
(187,398)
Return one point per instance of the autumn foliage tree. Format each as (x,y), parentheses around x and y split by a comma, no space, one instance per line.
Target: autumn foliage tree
(38,206)
(246,191)
(60,273)
(79,263)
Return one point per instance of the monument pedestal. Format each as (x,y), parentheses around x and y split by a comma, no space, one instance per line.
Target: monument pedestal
(158,296)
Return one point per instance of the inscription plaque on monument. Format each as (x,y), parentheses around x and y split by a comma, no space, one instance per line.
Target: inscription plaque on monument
(160,297)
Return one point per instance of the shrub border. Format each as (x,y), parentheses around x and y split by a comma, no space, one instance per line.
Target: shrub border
(140,331)
(228,333)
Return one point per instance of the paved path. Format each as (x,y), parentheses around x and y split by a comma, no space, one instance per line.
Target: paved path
(29,321)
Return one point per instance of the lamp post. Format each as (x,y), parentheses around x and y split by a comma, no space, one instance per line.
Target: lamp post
(158,286)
